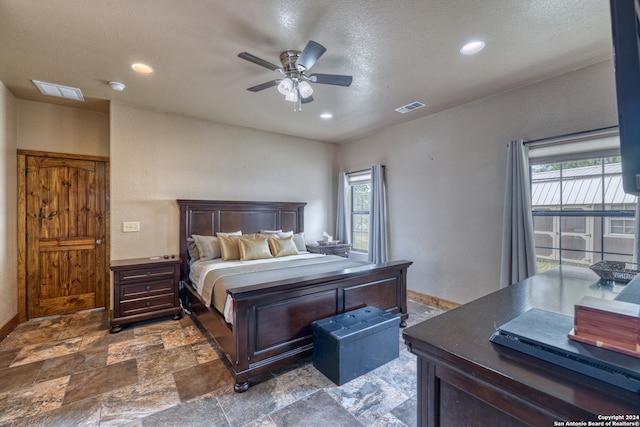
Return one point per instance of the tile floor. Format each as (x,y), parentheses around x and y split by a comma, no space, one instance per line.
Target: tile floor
(70,371)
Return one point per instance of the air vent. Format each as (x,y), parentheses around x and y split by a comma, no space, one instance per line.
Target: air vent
(60,91)
(410,107)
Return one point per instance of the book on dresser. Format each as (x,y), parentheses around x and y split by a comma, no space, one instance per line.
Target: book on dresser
(144,288)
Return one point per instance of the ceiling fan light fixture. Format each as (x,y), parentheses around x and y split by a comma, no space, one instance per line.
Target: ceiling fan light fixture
(292,96)
(305,89)
(285,86)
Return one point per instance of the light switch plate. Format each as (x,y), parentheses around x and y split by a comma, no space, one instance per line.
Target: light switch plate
(128,227)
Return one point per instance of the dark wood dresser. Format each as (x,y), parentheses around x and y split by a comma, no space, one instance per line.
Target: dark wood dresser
(465,380)
(340,249)
(144,288)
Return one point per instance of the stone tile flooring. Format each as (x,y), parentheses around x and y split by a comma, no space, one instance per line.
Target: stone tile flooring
(70,371)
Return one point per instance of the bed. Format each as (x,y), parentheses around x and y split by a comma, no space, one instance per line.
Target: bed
(269,323)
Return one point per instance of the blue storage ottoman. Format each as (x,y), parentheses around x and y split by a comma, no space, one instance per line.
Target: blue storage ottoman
(351,344)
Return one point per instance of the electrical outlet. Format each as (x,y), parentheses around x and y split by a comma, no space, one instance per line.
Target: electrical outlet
(128,227)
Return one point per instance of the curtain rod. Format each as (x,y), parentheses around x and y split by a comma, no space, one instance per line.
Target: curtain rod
(568,135)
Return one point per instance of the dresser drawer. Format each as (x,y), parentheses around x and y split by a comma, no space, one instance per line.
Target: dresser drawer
(145,305)
(136,275)
(147,289)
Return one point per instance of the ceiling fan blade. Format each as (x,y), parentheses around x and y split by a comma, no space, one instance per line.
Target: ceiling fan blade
(263,86)
(258,61)
(307,100)
(311,53)
(331,79)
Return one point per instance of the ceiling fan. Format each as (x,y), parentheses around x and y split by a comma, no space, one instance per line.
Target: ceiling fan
(295,86)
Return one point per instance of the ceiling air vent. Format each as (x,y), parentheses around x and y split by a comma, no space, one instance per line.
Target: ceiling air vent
(60,91)
(410,107)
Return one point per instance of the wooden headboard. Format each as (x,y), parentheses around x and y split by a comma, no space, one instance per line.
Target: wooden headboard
(207,217)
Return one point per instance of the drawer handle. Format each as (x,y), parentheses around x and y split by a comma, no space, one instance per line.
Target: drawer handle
(148,303)
(148,273)
(148,288)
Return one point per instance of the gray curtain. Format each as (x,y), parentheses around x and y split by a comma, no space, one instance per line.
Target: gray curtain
(518,248)
(378,217)
(636,241)
(342,229)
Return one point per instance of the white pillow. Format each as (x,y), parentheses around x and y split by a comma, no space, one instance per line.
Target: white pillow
(233,233)
(298,239)
(285,234)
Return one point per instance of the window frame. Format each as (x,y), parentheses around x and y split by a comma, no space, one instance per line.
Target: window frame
(573,148)
(353,179)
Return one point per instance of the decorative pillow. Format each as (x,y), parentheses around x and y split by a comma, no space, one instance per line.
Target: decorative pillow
(192,249)
(298,239)
(256,236)
(283,247)
(208,247)
(285,234)
(253,248)
(270,231)
(229,247)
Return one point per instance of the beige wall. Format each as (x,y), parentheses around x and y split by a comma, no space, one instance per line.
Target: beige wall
(446,175)
(48,127)
(157,158)
(8,202)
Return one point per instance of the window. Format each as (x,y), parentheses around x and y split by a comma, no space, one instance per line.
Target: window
(622,227)
(359,196)
(581,215)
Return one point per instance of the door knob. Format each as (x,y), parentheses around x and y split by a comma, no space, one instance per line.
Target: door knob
(98,242)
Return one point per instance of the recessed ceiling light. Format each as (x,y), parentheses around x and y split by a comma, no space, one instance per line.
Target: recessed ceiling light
(326,116)
(142,68)
(472,47)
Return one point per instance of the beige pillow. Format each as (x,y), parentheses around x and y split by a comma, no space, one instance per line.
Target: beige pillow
(229,248)
(256,236)
(208,246)
(283,247)
(253,249)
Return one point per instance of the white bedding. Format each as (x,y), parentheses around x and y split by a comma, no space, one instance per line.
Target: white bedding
(216,281)
(199,269)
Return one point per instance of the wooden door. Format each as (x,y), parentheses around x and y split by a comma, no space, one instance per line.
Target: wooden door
(66,229)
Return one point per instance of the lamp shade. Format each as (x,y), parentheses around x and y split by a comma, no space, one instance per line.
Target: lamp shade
(292,96)
(305,89)
(285,86)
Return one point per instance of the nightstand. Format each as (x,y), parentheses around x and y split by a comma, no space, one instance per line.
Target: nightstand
(144,288)
(340,249)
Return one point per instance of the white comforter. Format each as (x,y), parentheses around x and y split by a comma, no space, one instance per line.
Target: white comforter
(212,278)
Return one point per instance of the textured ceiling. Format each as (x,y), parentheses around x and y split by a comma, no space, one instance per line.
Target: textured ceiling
(397,51)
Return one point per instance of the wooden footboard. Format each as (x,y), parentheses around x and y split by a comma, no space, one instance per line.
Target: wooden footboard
(272,321)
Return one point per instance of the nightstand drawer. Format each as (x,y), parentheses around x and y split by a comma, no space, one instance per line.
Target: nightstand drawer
(147,273)
(145,305)
(147,289)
